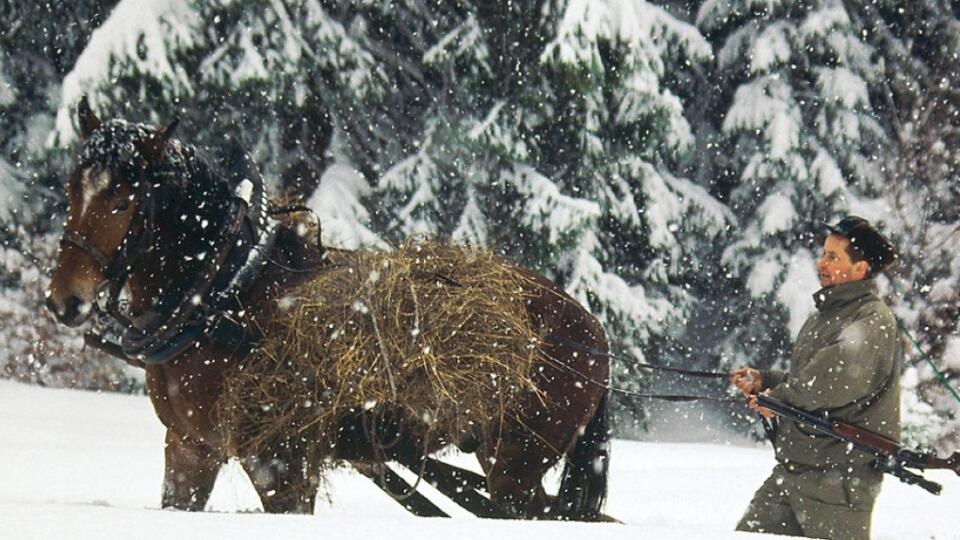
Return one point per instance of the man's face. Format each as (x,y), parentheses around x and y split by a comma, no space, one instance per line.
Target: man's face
(835,266)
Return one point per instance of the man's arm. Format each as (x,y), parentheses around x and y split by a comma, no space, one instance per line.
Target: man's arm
(852,368)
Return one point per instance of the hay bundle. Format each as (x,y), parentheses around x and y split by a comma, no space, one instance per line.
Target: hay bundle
(434,333)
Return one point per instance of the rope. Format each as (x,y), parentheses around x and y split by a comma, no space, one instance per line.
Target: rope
(923,354)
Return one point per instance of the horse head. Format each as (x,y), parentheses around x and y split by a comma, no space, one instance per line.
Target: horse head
(109,208)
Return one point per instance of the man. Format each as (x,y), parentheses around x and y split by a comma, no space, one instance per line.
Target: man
(846,361)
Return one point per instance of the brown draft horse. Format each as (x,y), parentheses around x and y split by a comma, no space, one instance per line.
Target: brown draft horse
(182,261)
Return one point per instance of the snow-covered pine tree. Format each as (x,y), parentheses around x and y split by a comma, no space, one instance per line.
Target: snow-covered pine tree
(800,143)
(37,47)
(920,103)
(554,140)
(263,74)
(274,76)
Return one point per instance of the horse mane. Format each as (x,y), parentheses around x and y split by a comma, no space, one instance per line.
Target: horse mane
(186,177)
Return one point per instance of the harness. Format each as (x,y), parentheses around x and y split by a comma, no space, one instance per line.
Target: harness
(211,306)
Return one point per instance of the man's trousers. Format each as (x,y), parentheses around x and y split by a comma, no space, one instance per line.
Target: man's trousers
(833,503)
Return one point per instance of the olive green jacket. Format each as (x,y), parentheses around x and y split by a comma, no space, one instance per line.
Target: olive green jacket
(846,361)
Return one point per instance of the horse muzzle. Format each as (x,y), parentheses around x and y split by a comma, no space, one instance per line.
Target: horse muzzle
(70,311)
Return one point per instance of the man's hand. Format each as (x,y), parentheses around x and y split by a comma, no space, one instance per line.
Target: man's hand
(752,403)
(750,382)
(747,380)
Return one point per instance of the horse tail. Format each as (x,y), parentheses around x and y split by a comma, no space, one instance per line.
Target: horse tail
(583,488)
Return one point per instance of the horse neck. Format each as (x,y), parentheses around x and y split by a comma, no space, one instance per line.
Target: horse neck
(182,230)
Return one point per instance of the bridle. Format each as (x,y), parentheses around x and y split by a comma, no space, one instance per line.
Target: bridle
(208,306)
(78,240)
(116,269)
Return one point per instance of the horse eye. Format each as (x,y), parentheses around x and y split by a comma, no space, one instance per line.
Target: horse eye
(121,207)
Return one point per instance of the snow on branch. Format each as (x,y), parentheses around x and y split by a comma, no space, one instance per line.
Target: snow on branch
(673,201)
(141,32)
(628,307)
(736,45)
(549,210)
(11,189)
(465,39)
(777,213)
(472,226)
(576,40)
(772,48)
(415,178)
(840,85)
(8,94)
(794,292)
(821,23)
(649,31)
(828,173)
(291,42)
(714,14)
(337,201)
(766,105)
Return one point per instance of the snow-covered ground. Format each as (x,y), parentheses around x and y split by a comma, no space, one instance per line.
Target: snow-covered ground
(85,465)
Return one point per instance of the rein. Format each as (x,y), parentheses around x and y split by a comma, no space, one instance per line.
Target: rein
(631,393)
(71,237)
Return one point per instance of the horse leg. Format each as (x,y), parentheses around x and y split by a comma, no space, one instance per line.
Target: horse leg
(285,479)
(190,469)
(583,487)
(514,475)
(518,451)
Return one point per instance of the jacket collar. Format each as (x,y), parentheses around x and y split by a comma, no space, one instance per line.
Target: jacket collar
(837,295)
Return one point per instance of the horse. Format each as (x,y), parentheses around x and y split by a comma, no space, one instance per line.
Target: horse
(183,261)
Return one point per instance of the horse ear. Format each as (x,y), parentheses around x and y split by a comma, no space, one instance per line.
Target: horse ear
(157,141)
(87,119)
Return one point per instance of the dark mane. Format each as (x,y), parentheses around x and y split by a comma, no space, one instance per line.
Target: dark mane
(184,175)
(191,200)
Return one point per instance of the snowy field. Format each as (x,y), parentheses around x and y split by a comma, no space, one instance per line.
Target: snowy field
(85,465)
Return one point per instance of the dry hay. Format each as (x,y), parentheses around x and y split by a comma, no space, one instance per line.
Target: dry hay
(438,334)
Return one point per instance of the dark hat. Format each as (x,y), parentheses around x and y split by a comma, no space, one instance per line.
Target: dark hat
(875,248)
